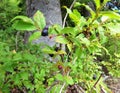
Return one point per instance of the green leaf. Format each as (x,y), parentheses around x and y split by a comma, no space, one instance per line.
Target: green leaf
(48,50)
(85,41)
(34,36)
(59,77)
(97,3)
(28,85)
(24,75)
(90,10)
(28,57)
(23,18)
(77,13)
(69,47)
(61,52)
(39,20)
(21,25)
(68,10)
(62,39)
(68,80)
(16,79)
(110,15)
(68,30)
(74,18)
(17,57)
(55,29)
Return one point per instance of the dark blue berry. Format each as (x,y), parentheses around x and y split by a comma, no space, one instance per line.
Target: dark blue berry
(45,31)
(94,77)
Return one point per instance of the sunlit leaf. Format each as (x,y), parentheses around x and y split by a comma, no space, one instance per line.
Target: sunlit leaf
(69,46)
(110,15)
(59,77)
(85,41)
(61,52)
(39,20)
(97,3)
(48,50)
(90,10)
(24,19)
(69,80)
(68,10)
(114,28)
(62,39)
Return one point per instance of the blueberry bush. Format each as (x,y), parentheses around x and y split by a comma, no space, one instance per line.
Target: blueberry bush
(79,67)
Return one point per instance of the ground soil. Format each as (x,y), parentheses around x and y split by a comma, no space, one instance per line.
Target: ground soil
(114,84)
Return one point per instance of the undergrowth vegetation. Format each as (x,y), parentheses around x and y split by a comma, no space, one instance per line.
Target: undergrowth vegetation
(92,44)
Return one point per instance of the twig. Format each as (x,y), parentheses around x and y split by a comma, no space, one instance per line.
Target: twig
(74,60)
(97,81)
(67,57)
(67,13)
(62,87)
(67,75)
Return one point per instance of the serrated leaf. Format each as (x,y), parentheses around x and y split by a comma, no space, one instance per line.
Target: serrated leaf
(21,25)
(62,40)
(39,20)
(34,36)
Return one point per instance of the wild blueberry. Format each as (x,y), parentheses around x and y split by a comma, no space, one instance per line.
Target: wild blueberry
(45,31)
(94,77)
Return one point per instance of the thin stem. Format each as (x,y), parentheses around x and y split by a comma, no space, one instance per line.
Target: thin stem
(97,81)
(67,13)
(62,87)
(55,83)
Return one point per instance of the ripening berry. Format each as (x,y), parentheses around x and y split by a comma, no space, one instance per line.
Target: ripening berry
(60,67)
